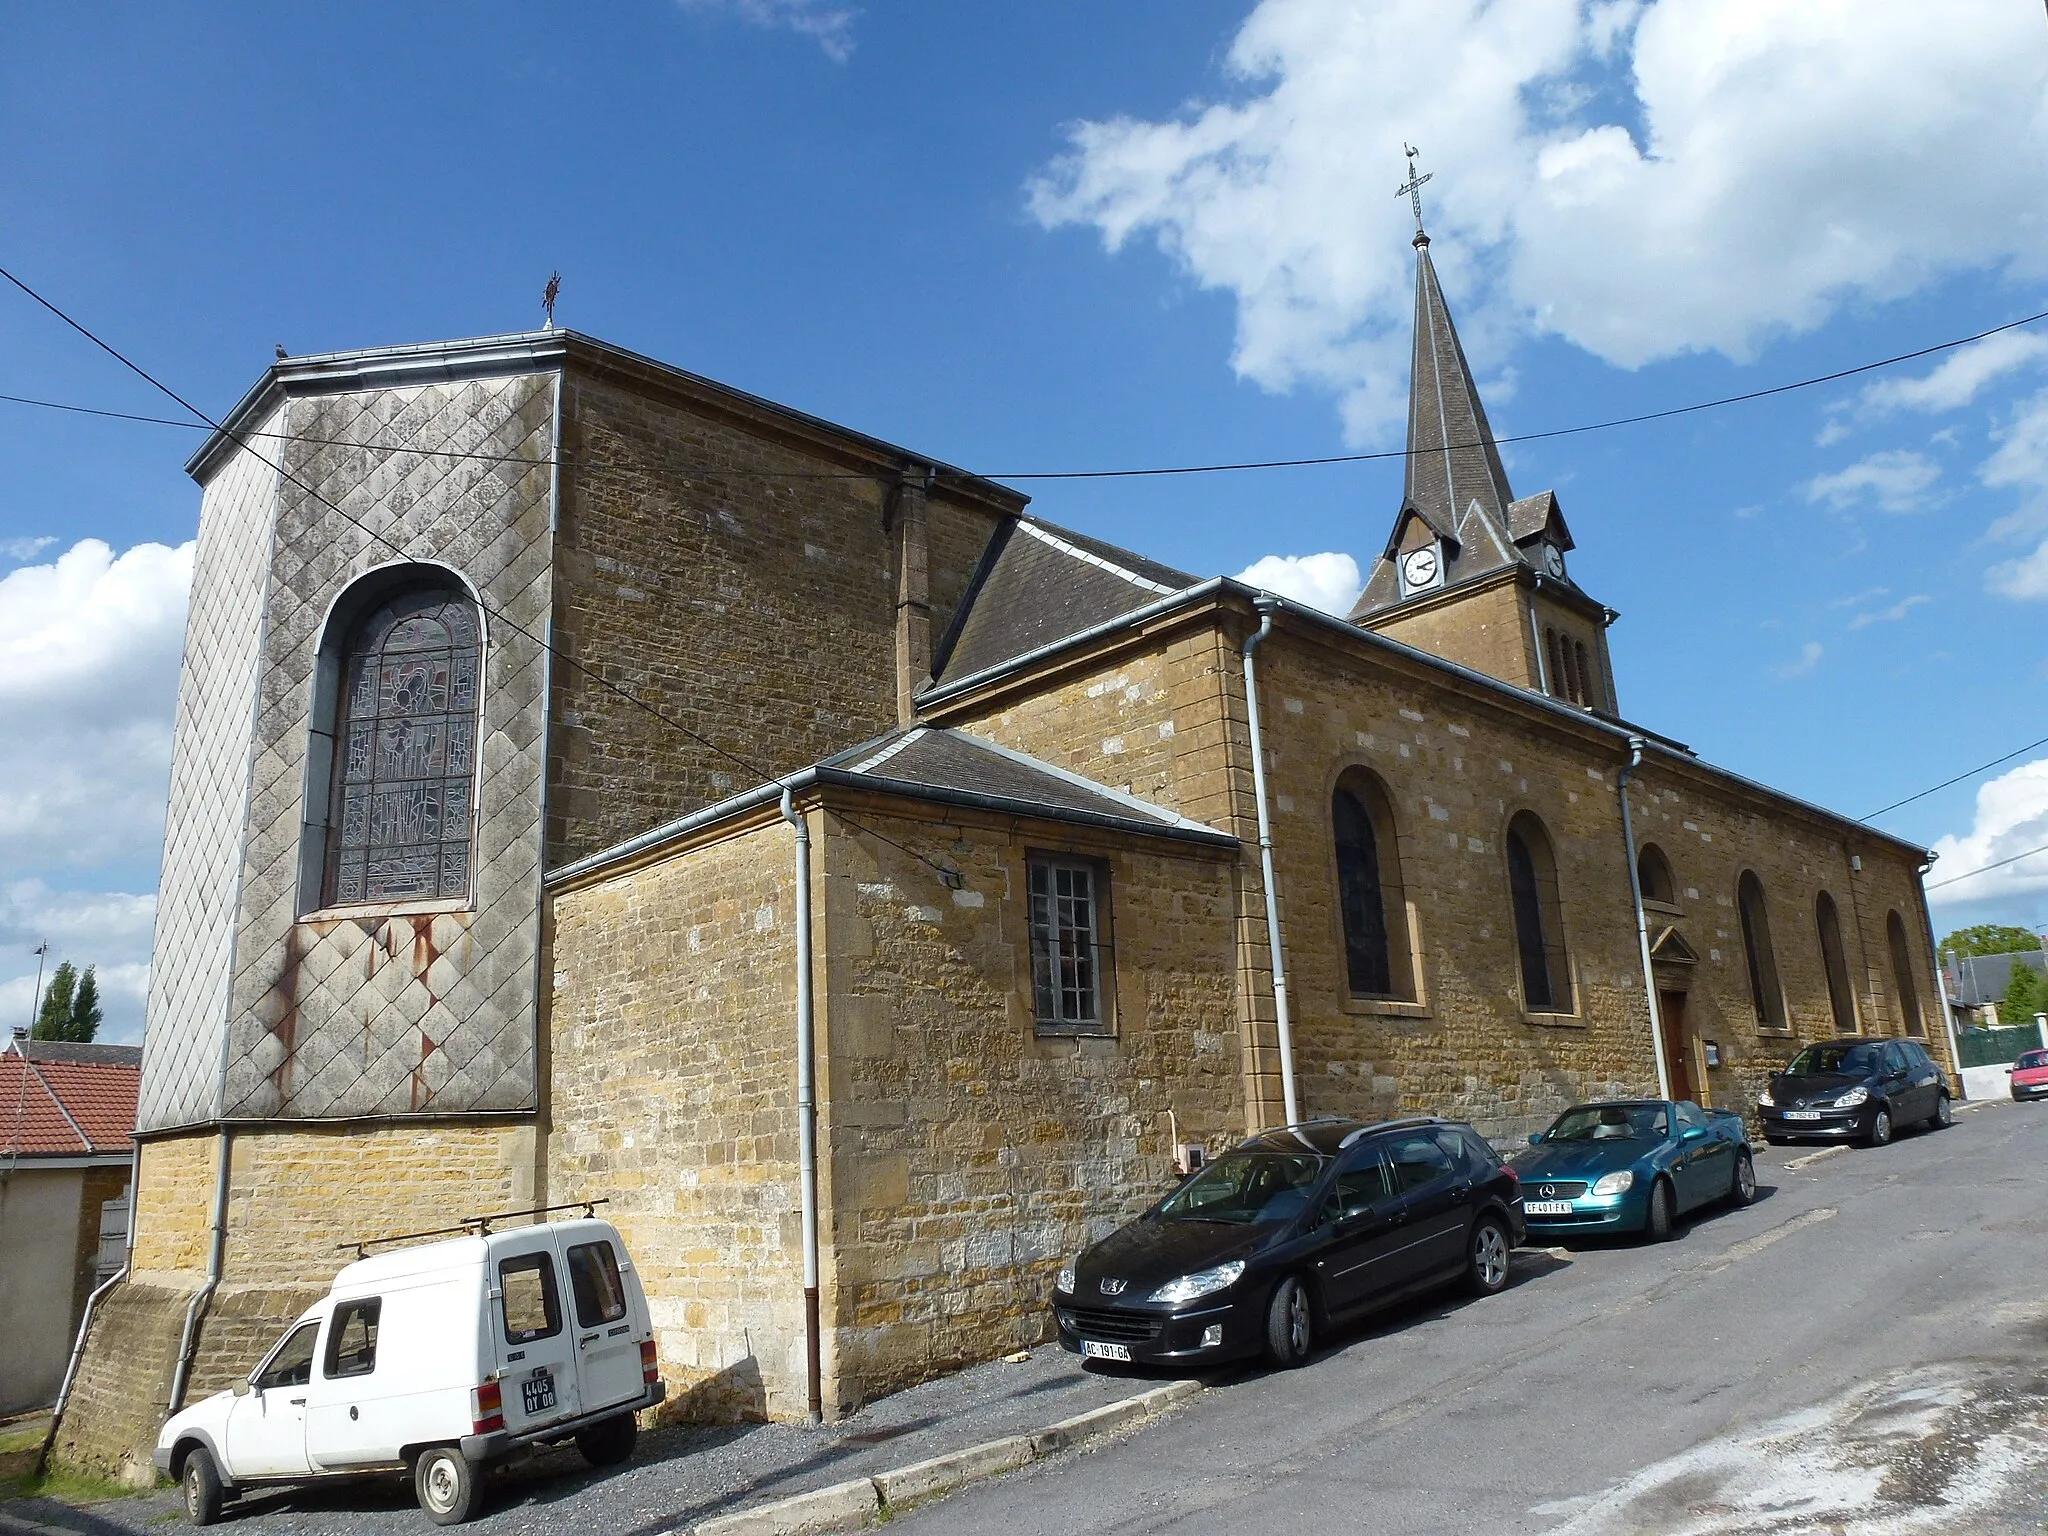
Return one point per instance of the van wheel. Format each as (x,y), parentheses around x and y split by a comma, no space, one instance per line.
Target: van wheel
(608,1442)
(448,1487)
(202,1487)
(1290,1324)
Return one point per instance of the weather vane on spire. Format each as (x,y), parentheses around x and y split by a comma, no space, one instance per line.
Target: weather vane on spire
(554,287)
(1412,188)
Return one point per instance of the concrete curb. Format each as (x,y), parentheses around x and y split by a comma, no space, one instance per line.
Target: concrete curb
(851,1505)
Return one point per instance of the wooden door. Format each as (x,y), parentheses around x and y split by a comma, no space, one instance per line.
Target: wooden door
(1678,1066)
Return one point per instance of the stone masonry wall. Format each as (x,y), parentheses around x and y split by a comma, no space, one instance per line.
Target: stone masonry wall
(970,1156)
(757,613)
(671,1038)
(1487,631)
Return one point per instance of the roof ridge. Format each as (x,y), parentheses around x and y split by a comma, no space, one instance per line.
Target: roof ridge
(1046,536)
(1082,781)
(28,1070)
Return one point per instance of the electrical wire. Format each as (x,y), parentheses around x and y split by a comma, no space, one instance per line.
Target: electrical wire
(1945,783)
(498,614)
(1967,874)
(1087,474)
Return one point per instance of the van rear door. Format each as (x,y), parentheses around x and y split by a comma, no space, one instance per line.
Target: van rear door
(536,1349)
(607,1345)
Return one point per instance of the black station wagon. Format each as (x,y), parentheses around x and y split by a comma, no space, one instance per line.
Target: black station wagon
(1289,1232)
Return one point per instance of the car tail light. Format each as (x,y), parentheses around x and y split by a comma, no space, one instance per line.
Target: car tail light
(1513,1177)
(650,1371)
(487,1409)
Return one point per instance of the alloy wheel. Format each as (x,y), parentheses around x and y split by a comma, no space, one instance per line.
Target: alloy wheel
(1298,1321)
(1490,1257)
(1881,1127)
(1745,1180)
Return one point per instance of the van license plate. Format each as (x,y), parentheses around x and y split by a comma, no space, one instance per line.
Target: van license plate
(1094,1350)
(537,1392)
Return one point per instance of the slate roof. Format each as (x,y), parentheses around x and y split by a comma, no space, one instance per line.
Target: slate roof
(923,759)
(1455,481)
(1038,584)
(1974,980)
(68,1100)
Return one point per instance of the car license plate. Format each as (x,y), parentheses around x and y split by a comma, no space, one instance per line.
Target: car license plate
(1095,1350)
(1547,1207)
(537,1392)
(1802,1114)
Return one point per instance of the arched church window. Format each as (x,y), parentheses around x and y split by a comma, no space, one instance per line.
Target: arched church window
(1539,917)
(1653,875)
(1765,994)
(405,679)
(1835,961)
(1902,973)
(1370,896)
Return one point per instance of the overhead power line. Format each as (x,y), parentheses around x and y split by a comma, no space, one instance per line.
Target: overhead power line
(1968,773)
(753,769)
(1935,885)
(206,423)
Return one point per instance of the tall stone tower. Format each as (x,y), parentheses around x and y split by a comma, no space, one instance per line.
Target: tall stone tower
(1470,573)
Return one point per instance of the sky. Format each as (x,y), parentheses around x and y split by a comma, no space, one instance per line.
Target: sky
(1076,236)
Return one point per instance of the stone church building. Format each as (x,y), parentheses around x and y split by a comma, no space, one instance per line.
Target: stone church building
(593,781)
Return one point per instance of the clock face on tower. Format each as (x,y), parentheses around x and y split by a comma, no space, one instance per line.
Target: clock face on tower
(1553,559)
(1419,569)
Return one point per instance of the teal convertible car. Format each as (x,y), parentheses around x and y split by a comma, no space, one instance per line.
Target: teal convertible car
(1632,1165)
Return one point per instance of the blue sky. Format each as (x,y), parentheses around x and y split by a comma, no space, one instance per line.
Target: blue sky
(1078,236)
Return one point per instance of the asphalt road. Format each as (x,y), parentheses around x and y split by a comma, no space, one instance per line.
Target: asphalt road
(1865,1349)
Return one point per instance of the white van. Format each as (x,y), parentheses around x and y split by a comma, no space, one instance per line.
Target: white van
(438,1360)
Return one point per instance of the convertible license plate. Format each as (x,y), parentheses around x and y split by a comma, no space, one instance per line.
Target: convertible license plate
(1802,1114)
(537,1392)
(1547,1207)
(1095,1350)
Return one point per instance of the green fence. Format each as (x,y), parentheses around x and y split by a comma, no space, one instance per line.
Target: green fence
(1995,1047)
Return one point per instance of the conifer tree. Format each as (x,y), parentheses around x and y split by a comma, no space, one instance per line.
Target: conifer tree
(85,1009)
(53,1022)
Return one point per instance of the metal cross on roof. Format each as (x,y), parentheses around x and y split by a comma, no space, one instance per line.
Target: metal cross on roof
(1412,187)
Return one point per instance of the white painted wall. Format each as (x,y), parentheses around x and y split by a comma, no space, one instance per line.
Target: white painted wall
(38,1247)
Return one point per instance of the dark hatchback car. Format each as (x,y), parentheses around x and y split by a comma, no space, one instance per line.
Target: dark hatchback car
(1288,1233)
(1854,1090)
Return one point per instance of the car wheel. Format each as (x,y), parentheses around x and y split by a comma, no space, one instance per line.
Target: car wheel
(1486,1269)
(1944,1114)
(1290,1324)
(1657,1224)
(448,1487)
(608,1442)
(201,1483)
(1742,1189)
(1880,1132)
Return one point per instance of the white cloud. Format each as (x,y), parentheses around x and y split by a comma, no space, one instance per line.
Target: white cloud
(1956,382)
(1329,581)
(1897,480)
(89,649)
(1809,658)
(2020,463)
(830,24)
(2011,817)
(108,930)
(1643,180)
(1891,615)
(25,549)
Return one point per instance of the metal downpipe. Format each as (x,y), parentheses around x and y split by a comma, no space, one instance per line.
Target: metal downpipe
(216,1255)
(1948,1014)
(1635,891)
(1273,948)
(806,1110)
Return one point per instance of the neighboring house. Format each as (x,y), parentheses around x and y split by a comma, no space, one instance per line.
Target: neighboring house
(1977,983)
(67,1115)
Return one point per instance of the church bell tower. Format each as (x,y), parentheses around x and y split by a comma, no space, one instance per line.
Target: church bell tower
(1470,573)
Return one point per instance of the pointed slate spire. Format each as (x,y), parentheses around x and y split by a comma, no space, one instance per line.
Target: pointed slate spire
(1452,462)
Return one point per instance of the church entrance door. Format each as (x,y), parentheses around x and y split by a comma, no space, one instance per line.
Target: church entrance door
(1677,1045)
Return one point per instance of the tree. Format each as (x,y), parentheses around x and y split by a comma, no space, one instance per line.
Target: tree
(71,1006)
(2026,994)
(54,1021)
(1989,939)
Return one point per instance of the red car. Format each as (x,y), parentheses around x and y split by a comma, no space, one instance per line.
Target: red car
(2030,1075)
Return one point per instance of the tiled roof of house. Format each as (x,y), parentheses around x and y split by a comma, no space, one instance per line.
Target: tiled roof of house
(1039,584)
(68,1100)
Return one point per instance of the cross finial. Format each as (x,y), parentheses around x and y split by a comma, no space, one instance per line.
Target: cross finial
(1412,190)
(547,296)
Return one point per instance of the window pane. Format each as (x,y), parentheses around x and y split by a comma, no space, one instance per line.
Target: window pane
(292,1365)
(1064,944)
(1367,959)
(352,1339)
(530,1306)
(595,1283)
(1529,939)
(1417,1161)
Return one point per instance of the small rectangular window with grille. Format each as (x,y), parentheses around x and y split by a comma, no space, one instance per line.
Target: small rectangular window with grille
(1069,954)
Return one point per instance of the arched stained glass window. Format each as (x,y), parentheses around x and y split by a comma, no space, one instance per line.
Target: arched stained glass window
(1369,891)
(1539,917)
(1835,961)
(405,745)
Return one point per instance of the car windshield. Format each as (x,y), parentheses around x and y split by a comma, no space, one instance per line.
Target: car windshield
(1611,1122)
(1817,1059)
(1244,1188)
(2031,1059)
